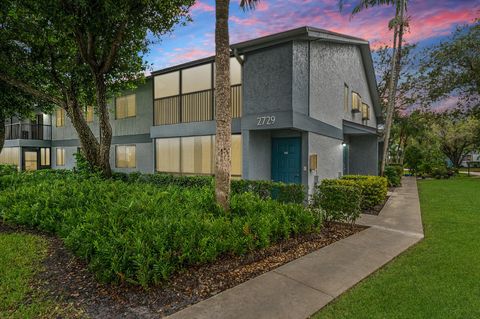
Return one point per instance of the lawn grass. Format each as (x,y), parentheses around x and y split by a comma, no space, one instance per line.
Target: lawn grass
(439,277)
(20,259)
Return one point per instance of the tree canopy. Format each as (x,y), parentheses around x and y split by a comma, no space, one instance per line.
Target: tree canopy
(78,53)
(452,69)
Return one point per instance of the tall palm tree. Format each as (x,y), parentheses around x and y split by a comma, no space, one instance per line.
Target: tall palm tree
(398,24)
(223,143)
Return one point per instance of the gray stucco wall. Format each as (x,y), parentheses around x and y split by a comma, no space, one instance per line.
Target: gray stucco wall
(70,161)
(331,66)
(329,158)
(267,80)
(257,149)
(363,155)
(144,158)
(140,124)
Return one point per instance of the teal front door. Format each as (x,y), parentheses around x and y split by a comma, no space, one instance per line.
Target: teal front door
(287,160)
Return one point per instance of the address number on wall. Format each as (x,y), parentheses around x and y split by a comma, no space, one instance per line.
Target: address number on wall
(265,120)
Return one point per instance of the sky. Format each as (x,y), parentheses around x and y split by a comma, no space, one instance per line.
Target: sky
(431,21)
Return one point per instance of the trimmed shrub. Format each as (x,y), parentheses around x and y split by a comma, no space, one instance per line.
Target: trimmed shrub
(374,189)
(393,176)
(142,233)
(285,193)
(340,203)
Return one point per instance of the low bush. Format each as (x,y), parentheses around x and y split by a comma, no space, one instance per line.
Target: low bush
(341,202)
(393,176)
(286,193)
(6,169)
(374,189)
(142,233)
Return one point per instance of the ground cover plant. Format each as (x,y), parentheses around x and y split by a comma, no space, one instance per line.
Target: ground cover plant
(141,233)
(437,278)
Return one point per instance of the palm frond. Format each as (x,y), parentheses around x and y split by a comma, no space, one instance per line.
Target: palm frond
(248,4)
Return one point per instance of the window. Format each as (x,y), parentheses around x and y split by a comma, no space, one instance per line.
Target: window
(45,156)
(125,106)
(365,112)
(345,97)
(60,158)
(167,85)
(168,155)
(198,78)
(236,155)
(356,102)
(125,156)
(60,117)
(197,154)
(89,114)
(194,155)
(10,155)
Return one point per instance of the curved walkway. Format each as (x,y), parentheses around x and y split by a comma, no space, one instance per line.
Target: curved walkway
(300,288)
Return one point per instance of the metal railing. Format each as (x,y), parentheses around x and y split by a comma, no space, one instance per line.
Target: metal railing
(194,107)
(21,131)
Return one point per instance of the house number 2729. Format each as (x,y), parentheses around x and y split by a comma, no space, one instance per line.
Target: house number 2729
(265,120)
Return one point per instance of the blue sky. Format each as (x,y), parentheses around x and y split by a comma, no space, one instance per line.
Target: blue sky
(430,22)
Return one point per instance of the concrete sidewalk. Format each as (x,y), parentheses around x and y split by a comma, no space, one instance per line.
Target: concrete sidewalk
(301,287)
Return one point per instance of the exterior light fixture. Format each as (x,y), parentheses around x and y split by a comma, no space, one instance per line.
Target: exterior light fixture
(344,144)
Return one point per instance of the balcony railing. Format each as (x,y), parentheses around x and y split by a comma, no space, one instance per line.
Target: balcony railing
(194,107)
(20,131)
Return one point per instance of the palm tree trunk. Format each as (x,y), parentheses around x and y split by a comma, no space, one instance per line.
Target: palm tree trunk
(2,132)
(222,98)
(392,87)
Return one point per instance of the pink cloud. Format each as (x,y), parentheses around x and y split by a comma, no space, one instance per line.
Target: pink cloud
(202,6)
(187,55)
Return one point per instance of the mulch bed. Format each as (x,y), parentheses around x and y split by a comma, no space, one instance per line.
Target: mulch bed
(67,279)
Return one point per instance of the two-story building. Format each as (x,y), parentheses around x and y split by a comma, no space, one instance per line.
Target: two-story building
(304,106)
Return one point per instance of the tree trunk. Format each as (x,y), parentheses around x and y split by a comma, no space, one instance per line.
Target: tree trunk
(2,132)
(105,127)
(88,141)
(222,99)
(392,89)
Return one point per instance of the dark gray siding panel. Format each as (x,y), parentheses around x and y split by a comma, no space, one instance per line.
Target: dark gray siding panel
(267,80)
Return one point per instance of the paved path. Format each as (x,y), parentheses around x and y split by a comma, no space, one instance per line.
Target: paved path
(301,287)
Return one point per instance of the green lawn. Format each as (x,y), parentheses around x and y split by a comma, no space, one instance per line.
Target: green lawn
(439,277)
(20,259)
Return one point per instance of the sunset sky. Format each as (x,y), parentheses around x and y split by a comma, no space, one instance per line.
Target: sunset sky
(431,21)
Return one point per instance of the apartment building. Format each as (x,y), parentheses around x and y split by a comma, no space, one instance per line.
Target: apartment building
(304,106)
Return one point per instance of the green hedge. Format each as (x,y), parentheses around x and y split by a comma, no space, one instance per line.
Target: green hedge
(286,193)
(374,189)
(142,233)
(340,203)
(393,176)
(6,169)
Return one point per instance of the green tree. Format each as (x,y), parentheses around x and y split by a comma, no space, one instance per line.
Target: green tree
(223,115)
(452,68)
(457,135)
(398,24)
(78,53)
